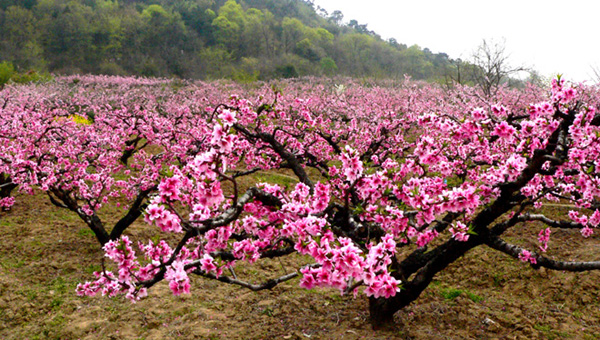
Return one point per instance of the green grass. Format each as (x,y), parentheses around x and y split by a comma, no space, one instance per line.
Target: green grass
(474,297)
(275,178)
(551,334)
(85,232)
(93,268)
(450,293)
(453,293)
(268,311)
(11,263)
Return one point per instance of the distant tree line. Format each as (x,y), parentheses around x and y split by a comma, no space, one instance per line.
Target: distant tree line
(243,40)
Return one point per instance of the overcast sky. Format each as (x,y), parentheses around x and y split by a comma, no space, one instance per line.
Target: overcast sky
(550,36)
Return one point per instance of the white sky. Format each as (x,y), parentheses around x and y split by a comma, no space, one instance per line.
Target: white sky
(549,35)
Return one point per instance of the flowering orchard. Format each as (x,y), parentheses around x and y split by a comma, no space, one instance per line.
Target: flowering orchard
(394,183)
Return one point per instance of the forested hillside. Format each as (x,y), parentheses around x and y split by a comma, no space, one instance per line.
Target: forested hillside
(243,40)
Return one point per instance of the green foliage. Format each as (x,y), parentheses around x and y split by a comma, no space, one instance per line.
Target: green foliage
(31,77)
(227,32)
(215,62)
(243,76)
(111,68)
(148,68)
(8,73)
(202,39)
(328,66)
(247,71)
(7,70)
(153,12)
(286,71)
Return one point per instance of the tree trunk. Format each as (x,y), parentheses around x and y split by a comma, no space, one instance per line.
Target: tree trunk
(6,186)
(97,227)
(381,313)
(382,310)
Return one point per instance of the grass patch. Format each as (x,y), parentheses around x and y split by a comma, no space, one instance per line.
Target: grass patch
(268,311)
(12,263)
(85,232)
(450,293)
(276,178)
(56,302)
(92,268)
(474,297)
(551,334)
(499,279)
(453,293)
(59,285)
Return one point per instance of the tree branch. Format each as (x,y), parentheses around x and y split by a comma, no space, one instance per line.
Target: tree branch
(234,211)
(512,250)
(269,284)
(135,211)
(552,223)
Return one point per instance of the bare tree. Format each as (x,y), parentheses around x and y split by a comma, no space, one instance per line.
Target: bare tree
(595,77)
(492,67)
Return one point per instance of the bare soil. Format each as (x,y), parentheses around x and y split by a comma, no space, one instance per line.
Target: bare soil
(45,252)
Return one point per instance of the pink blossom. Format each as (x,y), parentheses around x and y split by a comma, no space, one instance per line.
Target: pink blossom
(228,116)
(543,238)
(503,130)
(527,256)
(460,232)
(177,277)
(478,113)
(587,232)
(207,263)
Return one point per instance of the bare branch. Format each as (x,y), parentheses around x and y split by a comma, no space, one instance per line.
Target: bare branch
(244,173)
(499,244)
(269,284)
(550,222)
(7,184)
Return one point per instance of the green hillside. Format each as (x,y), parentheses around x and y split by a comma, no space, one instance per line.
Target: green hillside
(206,39)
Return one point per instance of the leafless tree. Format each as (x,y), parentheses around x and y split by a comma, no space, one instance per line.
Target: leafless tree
(492,66)
(595,77)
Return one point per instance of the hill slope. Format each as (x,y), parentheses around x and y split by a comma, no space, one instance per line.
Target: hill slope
(244,40)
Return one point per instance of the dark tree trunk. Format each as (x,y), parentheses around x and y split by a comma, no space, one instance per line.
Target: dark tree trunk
(6,186)
(381,313)
(382,310)
(62,199)
(134,212)
(95,224)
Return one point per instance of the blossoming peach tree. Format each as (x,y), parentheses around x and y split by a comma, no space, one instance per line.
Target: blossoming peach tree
(393,185)
(86,144)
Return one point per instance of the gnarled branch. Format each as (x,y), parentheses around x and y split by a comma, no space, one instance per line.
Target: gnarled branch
(512,250)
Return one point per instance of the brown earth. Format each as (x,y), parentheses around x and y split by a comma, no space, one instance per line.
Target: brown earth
(45,252)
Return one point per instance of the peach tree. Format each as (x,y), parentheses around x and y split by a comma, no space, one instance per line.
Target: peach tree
(393,185)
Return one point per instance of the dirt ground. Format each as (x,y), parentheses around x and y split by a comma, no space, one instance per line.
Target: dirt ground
(45,252)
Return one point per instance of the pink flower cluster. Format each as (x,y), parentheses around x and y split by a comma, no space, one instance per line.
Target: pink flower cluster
(460,232)
(179,281)
(163,218)
(527,256)
(123,255)
(7,202)
(543,238)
